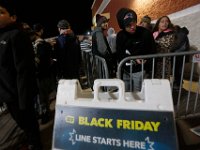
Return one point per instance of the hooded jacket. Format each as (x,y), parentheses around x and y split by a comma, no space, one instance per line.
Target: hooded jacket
(139,43)
(68,53)
(100,44)
(181,42)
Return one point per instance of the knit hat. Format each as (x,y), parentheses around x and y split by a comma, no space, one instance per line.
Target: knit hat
(63,24)
(9,6)
(100,19)
(146,19)
(125,16)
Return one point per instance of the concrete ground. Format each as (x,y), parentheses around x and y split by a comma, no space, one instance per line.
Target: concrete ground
(11,136)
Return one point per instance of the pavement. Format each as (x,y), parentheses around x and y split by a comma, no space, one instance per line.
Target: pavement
(11,136)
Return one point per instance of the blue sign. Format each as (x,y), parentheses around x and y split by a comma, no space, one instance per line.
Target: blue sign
(85,128)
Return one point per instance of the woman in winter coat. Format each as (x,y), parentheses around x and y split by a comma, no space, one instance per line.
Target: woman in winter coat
(164,37)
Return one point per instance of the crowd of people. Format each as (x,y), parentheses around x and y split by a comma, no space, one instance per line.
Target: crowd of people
(31,66)
(30,69)
(136,39)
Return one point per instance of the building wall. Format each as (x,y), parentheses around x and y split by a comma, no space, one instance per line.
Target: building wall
(189,18)
(181,12)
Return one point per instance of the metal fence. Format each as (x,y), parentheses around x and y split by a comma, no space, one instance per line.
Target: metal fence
(185,96)
(95,67)
(186,99)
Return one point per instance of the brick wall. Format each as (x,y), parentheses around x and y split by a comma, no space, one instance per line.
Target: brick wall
(181,12)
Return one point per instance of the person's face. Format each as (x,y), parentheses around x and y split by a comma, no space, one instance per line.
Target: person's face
(145,25)
(5,18)
(164,24)
(104,25)
(131,27)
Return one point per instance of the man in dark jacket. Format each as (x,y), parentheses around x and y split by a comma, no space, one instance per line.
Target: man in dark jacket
(68,52)
(133,40)
(17,76)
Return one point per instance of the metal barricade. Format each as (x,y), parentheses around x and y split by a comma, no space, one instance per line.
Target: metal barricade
(95,67)
(186,99)
(101,68)
(87,60)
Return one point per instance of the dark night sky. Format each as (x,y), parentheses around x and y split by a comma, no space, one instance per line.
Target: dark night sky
(48,13)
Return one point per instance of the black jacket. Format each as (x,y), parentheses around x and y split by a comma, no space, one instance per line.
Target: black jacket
(68,53)
(43,51)
(181,42)
(139,43)
(17,70)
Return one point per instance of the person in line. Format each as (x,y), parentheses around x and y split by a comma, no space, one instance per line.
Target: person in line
(68,52)
(45,81)
(25,27)
(181,44)
(146,22)
(18,86)
(164,37)
(100,46)
(133,40)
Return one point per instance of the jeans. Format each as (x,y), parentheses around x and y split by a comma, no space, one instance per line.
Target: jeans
(133,81)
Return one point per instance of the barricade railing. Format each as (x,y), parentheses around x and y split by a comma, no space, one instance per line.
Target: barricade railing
(95,67)
(101,68)
(87,60)
(186,99)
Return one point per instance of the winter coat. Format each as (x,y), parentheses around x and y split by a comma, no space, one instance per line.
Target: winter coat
(139,43)
(164,42)
(17,75)
(100,47)
(43,52)
(100,44)
(181,42)
(68,54)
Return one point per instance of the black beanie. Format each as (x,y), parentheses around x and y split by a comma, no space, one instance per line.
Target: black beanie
(100,19)
(125,16)
(63,24)
(9,6)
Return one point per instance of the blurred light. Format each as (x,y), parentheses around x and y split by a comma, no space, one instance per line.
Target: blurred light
(88,33)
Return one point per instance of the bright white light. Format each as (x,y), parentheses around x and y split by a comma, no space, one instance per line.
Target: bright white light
(88,33)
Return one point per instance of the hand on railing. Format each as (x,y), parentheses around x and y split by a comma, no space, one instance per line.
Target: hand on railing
(141,61)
